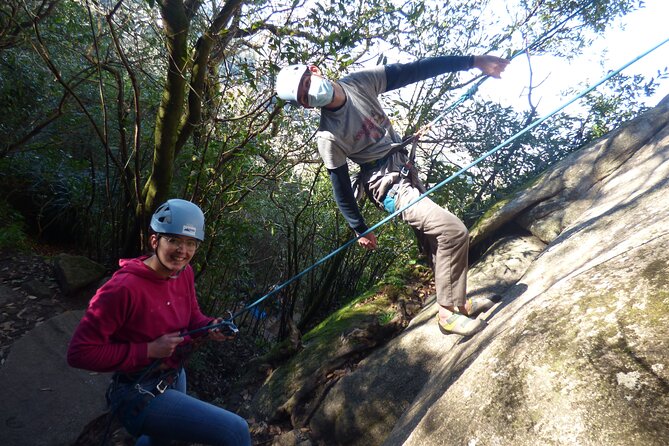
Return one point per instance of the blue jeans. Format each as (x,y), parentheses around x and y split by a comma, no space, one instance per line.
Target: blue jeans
(174,415)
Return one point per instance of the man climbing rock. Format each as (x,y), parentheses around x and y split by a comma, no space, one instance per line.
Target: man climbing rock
(354,126)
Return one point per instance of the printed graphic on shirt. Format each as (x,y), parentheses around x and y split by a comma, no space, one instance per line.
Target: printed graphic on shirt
(372,128)
(360,130)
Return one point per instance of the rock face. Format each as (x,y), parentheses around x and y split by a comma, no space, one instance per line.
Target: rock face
(75,273)
(44,401)
(577,351)
(362,408)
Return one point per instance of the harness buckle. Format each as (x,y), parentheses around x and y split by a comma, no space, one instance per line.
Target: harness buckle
(406,169)
(143,391)
(393,190)
(162,386)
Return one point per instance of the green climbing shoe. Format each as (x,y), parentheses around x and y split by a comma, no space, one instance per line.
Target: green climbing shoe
(460,324)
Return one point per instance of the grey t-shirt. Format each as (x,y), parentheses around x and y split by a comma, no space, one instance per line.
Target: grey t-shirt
(360,129)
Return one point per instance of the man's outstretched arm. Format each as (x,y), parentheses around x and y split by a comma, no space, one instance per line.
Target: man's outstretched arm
(400,75)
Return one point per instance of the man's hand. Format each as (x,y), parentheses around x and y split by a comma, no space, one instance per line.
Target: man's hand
(368,241)
(220,333)
(491,65)
(164,346)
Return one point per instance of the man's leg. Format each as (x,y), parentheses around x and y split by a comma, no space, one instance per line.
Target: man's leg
(447,247)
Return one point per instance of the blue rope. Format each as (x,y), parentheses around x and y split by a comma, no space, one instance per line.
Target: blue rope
(516,136)
(436,187)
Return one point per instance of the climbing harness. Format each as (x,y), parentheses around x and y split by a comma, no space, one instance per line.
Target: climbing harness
(408,172)
(387,202)
(129,394)
(406,169)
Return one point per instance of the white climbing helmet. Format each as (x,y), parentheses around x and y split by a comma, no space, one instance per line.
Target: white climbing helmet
(288,81)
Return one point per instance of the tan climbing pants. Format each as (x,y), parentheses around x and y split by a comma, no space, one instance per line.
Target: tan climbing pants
(443,236)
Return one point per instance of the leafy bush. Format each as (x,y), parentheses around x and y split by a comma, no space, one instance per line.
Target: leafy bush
(12,228)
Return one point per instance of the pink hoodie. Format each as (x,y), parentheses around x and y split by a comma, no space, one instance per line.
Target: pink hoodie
(135,307)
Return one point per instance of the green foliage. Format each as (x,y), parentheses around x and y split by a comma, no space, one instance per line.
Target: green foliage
(25,87)
(52,191)
(348,316)
(386,317)
(617,102)
(17,18)
(400,273)
(591,15)
(12,228)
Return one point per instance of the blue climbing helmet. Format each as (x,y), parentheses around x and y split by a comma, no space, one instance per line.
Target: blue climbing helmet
(179,217)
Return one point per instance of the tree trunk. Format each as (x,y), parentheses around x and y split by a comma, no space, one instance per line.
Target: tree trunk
(171,109)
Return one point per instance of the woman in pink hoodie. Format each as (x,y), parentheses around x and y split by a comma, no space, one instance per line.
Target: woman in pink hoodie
(133,327)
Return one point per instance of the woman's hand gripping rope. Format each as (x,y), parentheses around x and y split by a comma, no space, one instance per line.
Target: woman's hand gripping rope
(223,330)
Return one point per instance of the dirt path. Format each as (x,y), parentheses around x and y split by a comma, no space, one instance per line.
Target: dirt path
(29,295)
